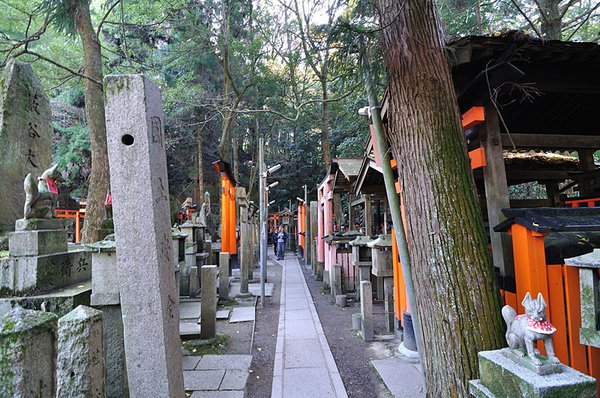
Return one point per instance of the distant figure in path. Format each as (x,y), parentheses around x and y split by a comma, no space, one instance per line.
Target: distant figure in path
(274,240)
(281,239)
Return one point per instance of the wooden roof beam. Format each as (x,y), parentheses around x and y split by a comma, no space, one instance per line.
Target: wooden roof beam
(550,141)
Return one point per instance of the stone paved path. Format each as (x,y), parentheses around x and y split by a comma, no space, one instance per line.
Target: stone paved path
(304,365)
(216,376)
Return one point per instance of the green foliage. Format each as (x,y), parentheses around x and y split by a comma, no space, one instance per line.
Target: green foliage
(72,153)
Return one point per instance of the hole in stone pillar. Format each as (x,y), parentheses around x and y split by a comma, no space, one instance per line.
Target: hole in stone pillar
(127,139)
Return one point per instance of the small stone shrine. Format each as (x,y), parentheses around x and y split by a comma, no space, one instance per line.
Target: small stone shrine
(40,270)
(520,371)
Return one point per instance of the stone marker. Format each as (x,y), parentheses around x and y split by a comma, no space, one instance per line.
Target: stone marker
(27,353)
(194,283)
(106,297)
(366,310)
(139,185)
(25,136)
(208,312)
(388,295)
(80,362)
(245,240)
(336,283)
(224,276)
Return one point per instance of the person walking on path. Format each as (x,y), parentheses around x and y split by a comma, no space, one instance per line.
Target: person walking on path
(274,240)
(281,239)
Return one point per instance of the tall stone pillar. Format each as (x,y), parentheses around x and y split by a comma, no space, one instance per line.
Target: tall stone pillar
(139,185)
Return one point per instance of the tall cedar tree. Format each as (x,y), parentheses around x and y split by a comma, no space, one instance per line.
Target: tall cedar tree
(456,292)
(72,16)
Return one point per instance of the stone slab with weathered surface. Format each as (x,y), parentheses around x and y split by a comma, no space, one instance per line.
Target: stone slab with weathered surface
(80,361)
(58,301)
(25,137)
(242,314)
(403,379)
(139,185)
(502,377)
(27,353)
(366,310)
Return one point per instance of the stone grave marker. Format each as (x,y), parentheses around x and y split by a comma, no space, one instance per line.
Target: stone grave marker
(25,136)
(208,313)
(224,276)
(139,185)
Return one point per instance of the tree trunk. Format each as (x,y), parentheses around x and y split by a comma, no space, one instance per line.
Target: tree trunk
(325,148)
(551,26)
(94,110)
(456,292)
(236,157)
(200,199)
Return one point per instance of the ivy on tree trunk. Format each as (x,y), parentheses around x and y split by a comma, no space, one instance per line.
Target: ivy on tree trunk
(456,291)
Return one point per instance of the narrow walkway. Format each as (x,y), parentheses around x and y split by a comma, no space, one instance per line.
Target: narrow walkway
(304,366)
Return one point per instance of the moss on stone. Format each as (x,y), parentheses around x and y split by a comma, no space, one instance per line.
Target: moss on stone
(218,345)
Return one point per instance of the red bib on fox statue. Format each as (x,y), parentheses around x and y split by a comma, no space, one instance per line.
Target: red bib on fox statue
(543,327)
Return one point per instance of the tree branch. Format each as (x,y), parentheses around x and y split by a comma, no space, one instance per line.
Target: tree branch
(103,20)
(527,18)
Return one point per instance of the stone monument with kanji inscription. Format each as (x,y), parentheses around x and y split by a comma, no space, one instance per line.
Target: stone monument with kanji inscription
(25,136)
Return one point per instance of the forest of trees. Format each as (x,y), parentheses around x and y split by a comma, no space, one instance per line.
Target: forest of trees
(232,71)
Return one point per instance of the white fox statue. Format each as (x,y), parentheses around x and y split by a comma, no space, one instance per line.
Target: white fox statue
(40,198)
(522,331)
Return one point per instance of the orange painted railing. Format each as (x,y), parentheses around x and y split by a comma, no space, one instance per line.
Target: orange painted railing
(77,215)
(590,202)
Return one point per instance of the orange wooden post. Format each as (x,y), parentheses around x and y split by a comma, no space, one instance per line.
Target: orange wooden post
(530,262)
(224,213)
(573,304)
(232,219)
(77,228)
(511,299)
(400,300)
(556,311)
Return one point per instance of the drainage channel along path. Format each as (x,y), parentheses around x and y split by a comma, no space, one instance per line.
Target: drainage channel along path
(304,366)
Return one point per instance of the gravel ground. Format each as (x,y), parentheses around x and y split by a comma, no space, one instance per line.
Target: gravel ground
(265,339)
(351,353)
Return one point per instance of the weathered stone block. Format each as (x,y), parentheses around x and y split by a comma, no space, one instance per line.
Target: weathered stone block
(37,243)
(38,224)
(208,311)
(105,278)
(31,275)
(224,276)
(502,377)
(27,353)
(115,368)
(80,362)
(25,136)
(59,301)
(366,310)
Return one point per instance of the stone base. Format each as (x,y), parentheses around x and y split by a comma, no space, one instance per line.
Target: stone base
(37,243)
(38,224)
(502,377)
(59,301)
(22,276)
(546,368)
